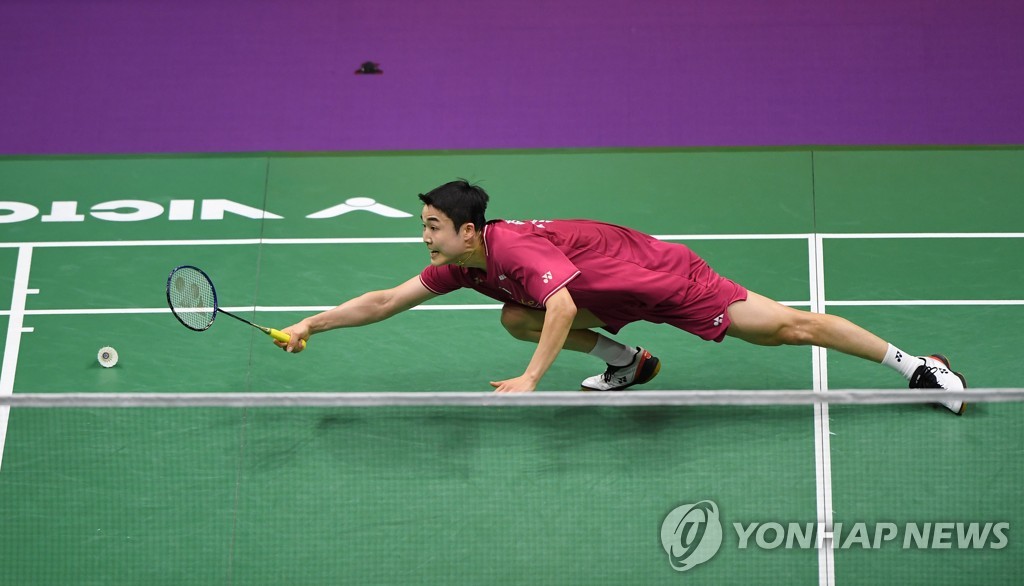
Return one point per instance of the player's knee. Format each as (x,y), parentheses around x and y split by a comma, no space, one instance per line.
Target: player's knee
(795,336)
(518,321)
(800,331)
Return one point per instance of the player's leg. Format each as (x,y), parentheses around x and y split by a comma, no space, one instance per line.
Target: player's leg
(526,324)
(626,365)
(765,322)
(762,321)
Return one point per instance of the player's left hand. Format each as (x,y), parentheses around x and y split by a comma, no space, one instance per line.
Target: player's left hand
(520,384)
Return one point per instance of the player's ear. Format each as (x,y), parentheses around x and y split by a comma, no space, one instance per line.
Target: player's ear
(467,231)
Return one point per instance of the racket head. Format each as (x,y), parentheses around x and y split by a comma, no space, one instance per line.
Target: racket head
(191,297)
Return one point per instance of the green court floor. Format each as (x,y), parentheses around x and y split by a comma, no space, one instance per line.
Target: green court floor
(920,246)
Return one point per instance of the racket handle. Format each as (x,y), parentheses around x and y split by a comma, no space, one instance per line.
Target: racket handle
(282,337)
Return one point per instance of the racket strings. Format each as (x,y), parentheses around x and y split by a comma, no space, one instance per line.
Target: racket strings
(191,296)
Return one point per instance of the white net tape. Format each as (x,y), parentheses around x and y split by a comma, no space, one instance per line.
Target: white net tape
(484,399)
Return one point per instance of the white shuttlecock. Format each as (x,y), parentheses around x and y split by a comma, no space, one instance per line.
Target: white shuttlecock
(107,357)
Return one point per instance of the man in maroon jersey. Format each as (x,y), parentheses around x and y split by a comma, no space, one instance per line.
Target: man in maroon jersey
(560,280)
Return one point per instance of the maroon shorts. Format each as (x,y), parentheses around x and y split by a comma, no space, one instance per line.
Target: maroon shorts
(697,304)
(707,315)
(701,306)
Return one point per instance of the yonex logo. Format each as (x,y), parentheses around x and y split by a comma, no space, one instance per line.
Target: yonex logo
(547,276)
(719,320)
(691,535)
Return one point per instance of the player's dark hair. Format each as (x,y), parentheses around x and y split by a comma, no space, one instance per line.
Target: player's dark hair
(460,201)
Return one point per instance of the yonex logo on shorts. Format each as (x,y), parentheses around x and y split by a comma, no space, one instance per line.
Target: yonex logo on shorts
(691,534)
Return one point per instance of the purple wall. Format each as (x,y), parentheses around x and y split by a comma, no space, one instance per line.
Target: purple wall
(123,76)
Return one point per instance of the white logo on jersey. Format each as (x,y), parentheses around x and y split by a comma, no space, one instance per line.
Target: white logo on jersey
(547,276)
(537,223)
(719,320)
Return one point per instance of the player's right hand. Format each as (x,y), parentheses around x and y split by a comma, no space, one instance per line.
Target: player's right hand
(298,332)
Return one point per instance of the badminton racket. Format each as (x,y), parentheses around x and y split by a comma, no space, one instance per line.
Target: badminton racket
(193,301)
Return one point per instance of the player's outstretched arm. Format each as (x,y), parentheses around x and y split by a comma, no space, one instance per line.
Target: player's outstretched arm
(560,311)
(366,309)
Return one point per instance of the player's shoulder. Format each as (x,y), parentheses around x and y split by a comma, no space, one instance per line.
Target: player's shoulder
(444,274)
(506,232)
(530,226)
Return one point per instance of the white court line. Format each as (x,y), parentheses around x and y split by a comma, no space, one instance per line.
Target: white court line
(732,236)
(822,443)
(15,327)
(133,243)
(213,242)
(239,309)
(382,240)
(276,309)
(414,240)
(909,302)
(307,241)
(903,235)
(493,306)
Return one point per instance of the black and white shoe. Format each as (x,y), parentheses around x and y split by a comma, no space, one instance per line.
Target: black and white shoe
(616,378)
(935,373)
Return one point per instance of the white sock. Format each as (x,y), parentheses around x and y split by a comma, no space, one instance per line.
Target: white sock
(901,362)
(613,352)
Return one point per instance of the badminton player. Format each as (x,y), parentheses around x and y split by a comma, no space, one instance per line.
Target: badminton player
(562,280)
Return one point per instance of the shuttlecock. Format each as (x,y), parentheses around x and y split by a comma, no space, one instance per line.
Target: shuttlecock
(107,357)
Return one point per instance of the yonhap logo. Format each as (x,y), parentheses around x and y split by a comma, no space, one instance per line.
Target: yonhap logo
(691,534)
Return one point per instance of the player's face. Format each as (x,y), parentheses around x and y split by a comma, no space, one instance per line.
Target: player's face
(446,245)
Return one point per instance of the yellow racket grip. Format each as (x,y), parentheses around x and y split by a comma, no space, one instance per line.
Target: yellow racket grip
(282,337)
